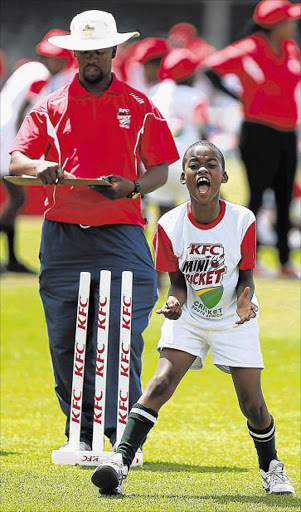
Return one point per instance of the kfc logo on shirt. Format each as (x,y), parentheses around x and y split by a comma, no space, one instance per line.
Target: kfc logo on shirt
(204,270)
(124,117)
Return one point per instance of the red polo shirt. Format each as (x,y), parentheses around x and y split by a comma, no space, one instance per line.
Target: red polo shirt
(269,82)
(93,137)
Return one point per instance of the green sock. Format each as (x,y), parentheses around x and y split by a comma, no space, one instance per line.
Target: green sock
(141,419)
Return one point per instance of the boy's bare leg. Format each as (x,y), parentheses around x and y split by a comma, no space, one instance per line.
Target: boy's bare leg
(262,430)
(247,383)
(260,423)
(172,366)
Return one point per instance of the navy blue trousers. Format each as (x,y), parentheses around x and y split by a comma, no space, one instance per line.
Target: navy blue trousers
(66,250)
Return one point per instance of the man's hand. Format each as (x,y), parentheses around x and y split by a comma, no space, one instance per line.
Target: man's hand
(245,308)
(121,187)
(51,173)
(171,309)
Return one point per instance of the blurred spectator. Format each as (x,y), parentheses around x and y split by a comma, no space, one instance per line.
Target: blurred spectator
(12,97)
(186,110)
(185,35)
(119,62)
(146,60)
(20,63)
(29,82)
(224,112)
(181,34)
(61,65)
(3,67)
(267,63)
(125,58)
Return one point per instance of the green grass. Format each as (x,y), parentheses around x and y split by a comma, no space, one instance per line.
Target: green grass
(199,456)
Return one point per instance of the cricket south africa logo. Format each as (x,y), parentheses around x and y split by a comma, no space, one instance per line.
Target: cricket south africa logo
(204,269)
(124,117)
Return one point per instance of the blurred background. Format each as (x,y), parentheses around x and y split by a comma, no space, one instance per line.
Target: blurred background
(23,24)
(217,23)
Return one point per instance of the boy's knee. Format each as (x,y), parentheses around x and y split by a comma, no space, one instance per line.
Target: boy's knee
(252,408)
(162,385)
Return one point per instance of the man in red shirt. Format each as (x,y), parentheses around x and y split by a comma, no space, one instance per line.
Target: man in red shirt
(94,126)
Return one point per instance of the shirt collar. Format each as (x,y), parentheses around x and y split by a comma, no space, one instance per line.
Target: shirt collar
(206,226)
(78,91)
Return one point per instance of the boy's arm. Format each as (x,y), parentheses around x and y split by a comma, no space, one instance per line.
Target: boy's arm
(245,290)
(177,294)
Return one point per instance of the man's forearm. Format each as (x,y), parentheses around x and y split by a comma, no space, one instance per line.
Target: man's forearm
(22,164)
(153,178)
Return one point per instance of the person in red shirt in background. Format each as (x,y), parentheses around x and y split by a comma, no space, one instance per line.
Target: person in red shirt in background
(61,65)
(268,66)
(94,126)
(145,64)
(185,35)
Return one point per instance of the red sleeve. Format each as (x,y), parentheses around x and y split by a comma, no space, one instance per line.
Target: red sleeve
(32,137)
(224,61)
(248,249)
(157,143)
(165,260)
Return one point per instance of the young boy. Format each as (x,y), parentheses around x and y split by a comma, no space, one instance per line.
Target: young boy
(208,247)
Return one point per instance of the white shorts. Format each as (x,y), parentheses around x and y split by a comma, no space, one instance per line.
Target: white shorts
(237,346)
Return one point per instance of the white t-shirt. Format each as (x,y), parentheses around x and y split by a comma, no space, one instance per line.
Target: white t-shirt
(55,82)
(185,108)
(209,256)
(12,97)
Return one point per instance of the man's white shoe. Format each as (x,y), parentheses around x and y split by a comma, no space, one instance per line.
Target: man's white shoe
(83,446)
(275,480)
(110,475)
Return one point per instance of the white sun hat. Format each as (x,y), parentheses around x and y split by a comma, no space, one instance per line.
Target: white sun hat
(92,30)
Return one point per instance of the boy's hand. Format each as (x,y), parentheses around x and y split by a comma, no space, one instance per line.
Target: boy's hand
(171,309)
(245,308)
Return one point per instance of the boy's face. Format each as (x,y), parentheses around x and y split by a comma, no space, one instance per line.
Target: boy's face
(203,173)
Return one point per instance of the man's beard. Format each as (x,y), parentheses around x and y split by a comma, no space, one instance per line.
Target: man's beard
(95,79)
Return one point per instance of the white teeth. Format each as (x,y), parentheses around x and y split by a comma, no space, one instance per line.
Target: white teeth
(204,181)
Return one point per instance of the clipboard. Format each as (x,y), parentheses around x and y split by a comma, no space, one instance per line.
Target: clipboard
(24,179)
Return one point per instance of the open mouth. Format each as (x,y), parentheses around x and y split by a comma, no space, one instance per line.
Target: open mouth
(203,185)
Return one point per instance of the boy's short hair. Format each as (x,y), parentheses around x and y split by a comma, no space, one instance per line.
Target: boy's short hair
(204,143)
